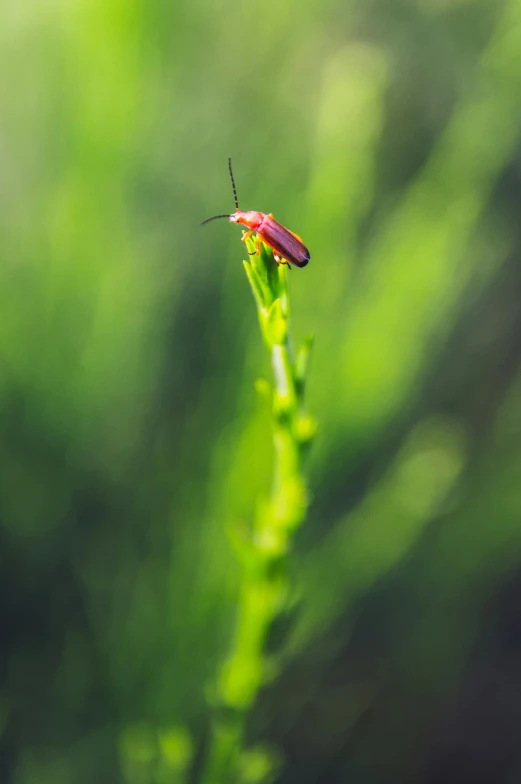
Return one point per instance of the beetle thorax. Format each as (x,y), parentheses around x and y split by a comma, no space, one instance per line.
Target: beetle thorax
(250,219)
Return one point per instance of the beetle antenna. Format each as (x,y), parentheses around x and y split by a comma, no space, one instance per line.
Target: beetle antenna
(233,184)
(214,218)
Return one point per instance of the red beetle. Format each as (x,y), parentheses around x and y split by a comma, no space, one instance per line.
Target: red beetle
(287,246)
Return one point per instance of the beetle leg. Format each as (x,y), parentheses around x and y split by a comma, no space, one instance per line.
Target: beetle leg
(247,234)
(281,261)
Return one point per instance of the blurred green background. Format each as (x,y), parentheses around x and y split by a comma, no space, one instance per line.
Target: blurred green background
(387,134)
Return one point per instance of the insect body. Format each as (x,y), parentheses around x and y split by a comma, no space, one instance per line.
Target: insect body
(287,246)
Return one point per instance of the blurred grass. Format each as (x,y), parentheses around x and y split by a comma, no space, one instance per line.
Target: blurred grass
(131,437)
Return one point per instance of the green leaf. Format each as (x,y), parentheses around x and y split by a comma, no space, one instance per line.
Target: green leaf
(259,765)
(305,428)
(274,324)
(257,286)
(302,365)
(266,268)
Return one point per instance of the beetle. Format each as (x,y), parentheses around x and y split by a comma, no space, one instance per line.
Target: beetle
(286,246)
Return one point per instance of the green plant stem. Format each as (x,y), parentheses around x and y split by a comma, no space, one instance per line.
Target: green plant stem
(264,583)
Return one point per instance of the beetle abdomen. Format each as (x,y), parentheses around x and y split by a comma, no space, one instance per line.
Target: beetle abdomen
(283,242)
